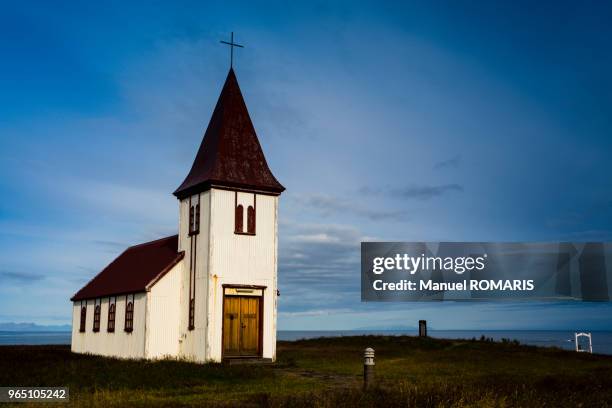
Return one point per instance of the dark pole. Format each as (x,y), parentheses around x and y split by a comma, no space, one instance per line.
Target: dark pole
(422,328)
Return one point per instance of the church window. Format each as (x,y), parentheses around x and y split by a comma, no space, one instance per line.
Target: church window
(251,220)
(243,205)
(129,315)
(194,219)
(83,318)
(111,317)
(96,322)
(239,218)
(197,218)
(191,218)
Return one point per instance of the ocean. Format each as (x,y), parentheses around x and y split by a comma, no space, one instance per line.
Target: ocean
(602,340)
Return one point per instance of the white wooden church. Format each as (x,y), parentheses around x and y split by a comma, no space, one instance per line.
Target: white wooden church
(210,292)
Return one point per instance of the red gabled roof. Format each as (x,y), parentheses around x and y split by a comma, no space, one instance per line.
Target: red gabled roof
(230,154)
(136,268)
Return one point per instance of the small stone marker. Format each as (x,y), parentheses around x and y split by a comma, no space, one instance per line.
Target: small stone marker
(368,367)
(422,328)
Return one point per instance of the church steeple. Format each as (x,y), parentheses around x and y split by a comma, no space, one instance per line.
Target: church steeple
(230,154)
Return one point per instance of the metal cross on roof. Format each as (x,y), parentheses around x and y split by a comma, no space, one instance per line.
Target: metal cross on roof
(232,44)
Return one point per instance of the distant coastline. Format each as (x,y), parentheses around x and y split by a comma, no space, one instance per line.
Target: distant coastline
(33,327)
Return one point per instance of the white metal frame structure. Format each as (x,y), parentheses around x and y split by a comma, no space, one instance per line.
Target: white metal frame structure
(579,349)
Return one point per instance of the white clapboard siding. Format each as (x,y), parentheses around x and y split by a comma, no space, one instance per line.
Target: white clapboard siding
(192,343)
(118,343)
(244,260)
(163,315)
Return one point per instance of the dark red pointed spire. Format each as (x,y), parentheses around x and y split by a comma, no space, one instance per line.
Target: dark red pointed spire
(230,154)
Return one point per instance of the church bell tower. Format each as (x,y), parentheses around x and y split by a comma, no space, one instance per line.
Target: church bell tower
(228,209)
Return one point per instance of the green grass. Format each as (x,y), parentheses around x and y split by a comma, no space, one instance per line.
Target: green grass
(328,373)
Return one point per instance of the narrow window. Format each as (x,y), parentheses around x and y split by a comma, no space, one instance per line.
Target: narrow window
(194,219)
(111,317)
(197,219)
(96,322)
(251,220)
(239,218)
(83,317)
(129,316)
(191,215)
(191,314)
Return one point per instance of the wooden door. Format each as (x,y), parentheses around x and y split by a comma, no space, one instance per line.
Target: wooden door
(241,325)
(231,326)
(249,323)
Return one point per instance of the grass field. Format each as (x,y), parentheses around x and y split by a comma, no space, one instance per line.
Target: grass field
(327,372)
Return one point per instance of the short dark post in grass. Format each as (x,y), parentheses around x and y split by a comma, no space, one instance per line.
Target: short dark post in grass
(422,328)
(368,368)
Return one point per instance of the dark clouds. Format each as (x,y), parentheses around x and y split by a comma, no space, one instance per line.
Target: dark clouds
(426,192)
(12,277)
(328,205)
(453,162)
(415,192)
(319,267)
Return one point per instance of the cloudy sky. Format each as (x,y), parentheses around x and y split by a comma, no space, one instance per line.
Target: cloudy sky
(420,122)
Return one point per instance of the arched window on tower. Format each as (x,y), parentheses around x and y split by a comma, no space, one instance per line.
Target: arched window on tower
(83,318)
(239,218)
(96,322)
(251,220)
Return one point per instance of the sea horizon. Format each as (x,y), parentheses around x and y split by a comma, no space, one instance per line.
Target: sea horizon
(563,339)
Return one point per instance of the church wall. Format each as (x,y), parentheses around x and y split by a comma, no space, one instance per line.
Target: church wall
(184,348)
(76,340)
(163,315)
(118,343)
(242,260)
(193,342)
(201,321)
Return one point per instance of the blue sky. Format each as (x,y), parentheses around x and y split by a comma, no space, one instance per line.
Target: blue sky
(485,121)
